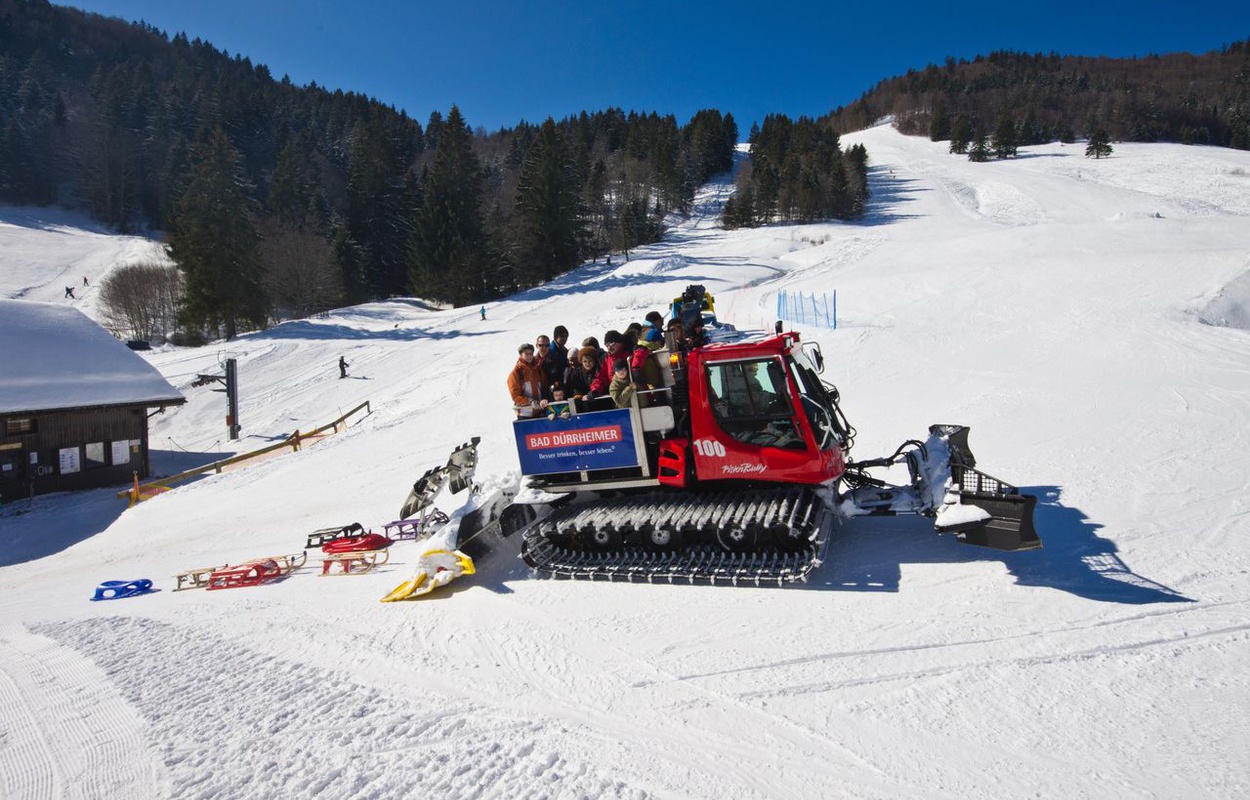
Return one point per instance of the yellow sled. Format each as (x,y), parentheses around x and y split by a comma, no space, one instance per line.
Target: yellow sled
(435,568)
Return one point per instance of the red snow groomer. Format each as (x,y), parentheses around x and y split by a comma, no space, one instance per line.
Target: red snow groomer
(735,470)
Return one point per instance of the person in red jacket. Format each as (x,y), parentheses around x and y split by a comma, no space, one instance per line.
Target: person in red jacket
(527,383)
(643,372)
(614,344)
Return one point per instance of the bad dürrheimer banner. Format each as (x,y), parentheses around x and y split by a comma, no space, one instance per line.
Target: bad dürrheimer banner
(600,440)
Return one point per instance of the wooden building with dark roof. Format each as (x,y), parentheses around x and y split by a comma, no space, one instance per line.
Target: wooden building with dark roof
(74,403)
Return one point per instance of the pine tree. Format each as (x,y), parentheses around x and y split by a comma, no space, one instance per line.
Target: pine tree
(549,218)
(729,215)
(379,212)
(107,164)
(215,245)
(980,150)
(711,139)
(961,135)
(295,194)
(1005,142)
(939,122)
(448,256)
(1099,144)
(632,226)
(857,174)
(595,205)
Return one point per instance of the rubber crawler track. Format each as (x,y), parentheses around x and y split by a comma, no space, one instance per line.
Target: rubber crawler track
(756,537)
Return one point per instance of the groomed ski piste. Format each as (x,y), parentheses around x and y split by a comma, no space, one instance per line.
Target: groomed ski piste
(1087,319)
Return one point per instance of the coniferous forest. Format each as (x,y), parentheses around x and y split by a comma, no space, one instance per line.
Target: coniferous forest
(798,173)
(282,201)
(1178,97)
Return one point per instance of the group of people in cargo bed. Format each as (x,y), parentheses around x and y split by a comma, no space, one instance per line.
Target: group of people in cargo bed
(549,375)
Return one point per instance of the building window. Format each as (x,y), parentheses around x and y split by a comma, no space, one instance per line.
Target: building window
(17,426)
(94,455)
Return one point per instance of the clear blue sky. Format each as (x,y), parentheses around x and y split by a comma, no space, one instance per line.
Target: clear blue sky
(503,61)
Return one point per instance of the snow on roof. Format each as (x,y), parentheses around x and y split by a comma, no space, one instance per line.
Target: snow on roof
(54,357)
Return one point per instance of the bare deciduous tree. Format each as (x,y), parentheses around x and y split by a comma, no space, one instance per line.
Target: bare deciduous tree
(141,299)
(301,277)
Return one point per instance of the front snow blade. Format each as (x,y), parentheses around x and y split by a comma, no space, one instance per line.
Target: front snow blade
(1007,519)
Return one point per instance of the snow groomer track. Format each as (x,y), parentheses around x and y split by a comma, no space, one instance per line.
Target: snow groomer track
(749,537)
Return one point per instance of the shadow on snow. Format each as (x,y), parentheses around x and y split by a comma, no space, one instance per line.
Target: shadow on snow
(867,553)
(48,524)
(304,329)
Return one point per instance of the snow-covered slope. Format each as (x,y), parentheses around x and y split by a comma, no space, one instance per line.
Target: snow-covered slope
(1059,306)
(47,251)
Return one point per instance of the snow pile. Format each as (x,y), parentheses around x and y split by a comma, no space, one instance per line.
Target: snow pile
(670,264)
(1231,307)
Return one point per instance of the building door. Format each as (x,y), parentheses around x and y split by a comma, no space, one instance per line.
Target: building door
(12,474)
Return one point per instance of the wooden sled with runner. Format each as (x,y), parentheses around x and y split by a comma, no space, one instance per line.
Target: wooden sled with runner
(359,562)
(256,571)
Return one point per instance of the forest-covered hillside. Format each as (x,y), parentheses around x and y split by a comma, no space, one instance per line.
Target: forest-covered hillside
(327,195)
(1178,97)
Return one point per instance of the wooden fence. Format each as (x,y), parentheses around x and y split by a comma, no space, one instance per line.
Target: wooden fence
(144,491)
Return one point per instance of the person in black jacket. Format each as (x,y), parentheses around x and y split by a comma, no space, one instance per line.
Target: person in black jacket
(581,373)
(559,349)
(547,361)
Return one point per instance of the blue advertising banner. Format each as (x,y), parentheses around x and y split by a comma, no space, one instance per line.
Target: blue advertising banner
(599,440)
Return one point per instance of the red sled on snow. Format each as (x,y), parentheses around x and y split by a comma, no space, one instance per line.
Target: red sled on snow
(320,536)
(244,575)
(355,544)
(255,572)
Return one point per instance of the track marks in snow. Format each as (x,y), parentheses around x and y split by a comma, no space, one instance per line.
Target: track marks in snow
(544,668)
(233,722)
(66,732)
(1192,624)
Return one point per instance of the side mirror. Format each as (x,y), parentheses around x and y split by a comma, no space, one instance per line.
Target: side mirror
(812,349)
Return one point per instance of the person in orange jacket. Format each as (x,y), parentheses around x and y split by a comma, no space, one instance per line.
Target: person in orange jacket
(527,383)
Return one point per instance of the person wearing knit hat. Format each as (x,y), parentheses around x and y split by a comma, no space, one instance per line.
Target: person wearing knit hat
(559,351)
(692,322)
(614,342)
(654,336)
(583,368)
(559,405)
(591,341)
(621,388)
(527,382)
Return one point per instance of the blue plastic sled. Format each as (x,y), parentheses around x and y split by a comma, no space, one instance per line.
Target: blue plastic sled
(113,590)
